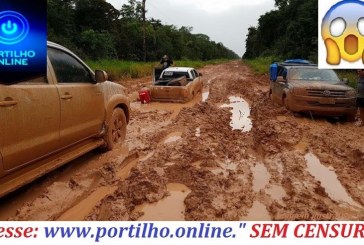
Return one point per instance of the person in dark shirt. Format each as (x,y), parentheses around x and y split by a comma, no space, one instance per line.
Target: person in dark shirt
(360,99)
(166,61)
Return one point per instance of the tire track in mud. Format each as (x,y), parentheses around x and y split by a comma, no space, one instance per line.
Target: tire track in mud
(188,156)
(219,165)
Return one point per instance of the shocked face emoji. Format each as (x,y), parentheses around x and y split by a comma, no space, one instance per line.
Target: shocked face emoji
(343,32)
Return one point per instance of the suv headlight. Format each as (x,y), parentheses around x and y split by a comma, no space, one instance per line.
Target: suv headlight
(350,93)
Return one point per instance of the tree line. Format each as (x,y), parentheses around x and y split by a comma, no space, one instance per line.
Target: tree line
(290,31)
(95,30)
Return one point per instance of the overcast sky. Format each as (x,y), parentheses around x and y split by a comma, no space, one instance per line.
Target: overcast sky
(225,21)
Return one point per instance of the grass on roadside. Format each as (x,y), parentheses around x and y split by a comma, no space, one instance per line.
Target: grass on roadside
(350,75)
(261,64)
(119,69)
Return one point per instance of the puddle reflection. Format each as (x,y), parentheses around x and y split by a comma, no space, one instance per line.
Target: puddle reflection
(258,212)
(260,177)
(170,208)
(240,114)
(328,179)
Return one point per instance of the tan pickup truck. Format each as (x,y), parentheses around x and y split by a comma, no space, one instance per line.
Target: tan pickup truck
(176,84)
(50,120)
(305,88)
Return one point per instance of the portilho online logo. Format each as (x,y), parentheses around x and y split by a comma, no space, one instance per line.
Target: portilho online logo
(14,27)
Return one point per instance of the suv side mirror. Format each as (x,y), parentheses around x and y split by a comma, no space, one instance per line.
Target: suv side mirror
(100,76)
(345,80)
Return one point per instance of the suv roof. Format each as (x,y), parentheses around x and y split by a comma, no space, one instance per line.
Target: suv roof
(280,68)
(56,45)
(296,62)
(313,66)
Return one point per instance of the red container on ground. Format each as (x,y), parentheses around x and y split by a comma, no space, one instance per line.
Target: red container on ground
(144,96)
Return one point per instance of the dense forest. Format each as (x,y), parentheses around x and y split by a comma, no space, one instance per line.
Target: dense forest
(290,31)
(94,29)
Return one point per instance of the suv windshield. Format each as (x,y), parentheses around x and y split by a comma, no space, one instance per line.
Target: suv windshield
(310,74)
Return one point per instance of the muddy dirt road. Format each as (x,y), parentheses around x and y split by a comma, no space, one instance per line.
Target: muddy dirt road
(227,155)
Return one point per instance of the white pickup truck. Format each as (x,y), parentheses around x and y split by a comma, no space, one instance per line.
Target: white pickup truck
(176,84)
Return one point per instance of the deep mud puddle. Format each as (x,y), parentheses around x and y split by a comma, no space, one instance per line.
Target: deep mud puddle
(240,119)
(174,108)
(258,212)
(260,177)
(124,172)
(329,180)
(277,193)
(85,206)
(171,208)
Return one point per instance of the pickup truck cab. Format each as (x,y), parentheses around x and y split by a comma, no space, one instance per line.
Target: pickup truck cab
(176,84)
(301,87)
(50,120)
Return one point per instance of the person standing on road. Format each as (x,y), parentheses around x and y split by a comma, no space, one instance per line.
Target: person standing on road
(166,62)
(360,99)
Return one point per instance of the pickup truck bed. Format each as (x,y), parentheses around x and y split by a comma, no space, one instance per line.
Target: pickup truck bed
(180,89)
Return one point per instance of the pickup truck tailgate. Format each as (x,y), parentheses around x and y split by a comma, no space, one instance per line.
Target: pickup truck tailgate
(170,93)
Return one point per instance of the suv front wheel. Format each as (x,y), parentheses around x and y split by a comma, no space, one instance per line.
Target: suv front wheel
(350,117)
(116,129)
(285,102)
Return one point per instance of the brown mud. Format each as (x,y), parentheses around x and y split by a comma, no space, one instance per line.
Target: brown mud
(190,162)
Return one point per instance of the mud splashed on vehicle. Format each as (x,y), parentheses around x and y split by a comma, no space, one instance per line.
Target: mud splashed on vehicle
(328,180)
(170,208)
(240,114)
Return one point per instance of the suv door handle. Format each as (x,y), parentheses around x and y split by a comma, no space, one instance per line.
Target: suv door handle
(8,103)
(66,96)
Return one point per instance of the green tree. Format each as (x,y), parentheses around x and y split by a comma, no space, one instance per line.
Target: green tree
(95,29)
(98,15)
(99,45)
(287,32)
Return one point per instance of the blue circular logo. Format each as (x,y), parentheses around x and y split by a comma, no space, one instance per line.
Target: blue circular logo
(14,27)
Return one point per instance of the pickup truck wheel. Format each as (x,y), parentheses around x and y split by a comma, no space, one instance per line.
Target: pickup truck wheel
(116,129)
(361,110)
(350,117)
